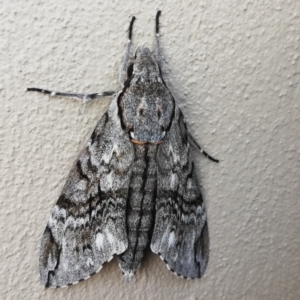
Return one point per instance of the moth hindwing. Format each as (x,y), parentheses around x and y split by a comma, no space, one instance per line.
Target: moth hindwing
(133,186)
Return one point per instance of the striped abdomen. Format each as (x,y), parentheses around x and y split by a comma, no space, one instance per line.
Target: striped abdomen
(140,208)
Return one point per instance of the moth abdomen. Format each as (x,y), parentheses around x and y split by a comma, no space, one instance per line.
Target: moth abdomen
(140,207)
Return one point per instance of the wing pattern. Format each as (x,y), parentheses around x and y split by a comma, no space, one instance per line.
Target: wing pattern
(87,224)
(180,233)
(133,185)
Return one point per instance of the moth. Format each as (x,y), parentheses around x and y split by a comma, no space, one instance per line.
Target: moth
(133,186)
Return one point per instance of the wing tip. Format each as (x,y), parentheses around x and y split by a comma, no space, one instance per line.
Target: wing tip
(177,274)
(49,285)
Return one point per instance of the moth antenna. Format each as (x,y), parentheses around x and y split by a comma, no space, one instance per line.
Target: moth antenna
(123,75)
(130,28)
(159,55)
(157,22)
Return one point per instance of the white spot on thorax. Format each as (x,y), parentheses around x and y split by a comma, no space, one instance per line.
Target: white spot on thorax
(143,104)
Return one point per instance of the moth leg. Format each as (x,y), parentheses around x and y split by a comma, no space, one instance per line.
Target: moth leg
(123,75)
(158,45)
(201,150)
(82,97)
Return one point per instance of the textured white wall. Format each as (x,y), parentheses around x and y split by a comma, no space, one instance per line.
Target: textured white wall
(233,66)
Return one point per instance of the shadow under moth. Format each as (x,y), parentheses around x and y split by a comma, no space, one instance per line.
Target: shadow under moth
(134,186)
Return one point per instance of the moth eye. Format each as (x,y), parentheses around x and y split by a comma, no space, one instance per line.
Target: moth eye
(130,70)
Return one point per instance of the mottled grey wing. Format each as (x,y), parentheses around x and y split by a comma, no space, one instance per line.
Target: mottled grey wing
(87,224)
(180,233)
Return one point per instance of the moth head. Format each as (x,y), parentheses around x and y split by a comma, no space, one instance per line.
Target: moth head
(145,65)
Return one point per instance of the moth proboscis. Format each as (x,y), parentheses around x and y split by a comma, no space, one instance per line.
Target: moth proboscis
(133,186)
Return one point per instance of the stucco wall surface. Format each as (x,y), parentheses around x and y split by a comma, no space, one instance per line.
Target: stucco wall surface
(233,67)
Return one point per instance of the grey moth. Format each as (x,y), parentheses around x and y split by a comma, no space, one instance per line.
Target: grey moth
(133,187)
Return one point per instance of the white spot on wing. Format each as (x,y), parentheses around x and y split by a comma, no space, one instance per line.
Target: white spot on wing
(65,265)
(173,180)
(176,157)
(171,239)
(99,240)
(70,222)
(89,262)
(79,222)
(110,238)
(107,156)
(107,182)
(165,237)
